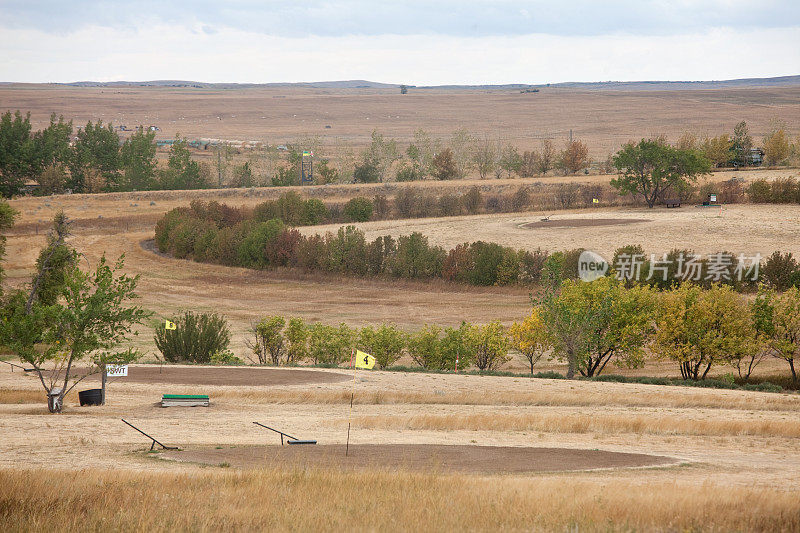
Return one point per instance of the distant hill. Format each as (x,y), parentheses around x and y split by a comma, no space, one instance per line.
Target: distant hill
(781,81)
(344,84)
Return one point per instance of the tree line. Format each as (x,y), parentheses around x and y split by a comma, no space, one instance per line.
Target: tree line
(586,325)
(94,158)
(216,233)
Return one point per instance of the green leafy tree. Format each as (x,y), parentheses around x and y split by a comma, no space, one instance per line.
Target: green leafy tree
(785,328)
(296,340)
(330,345)
(381,153)
(424,347)
(17,153)
(54,264)
(591,323)
(489,345)
(197,338)
(415,258)
(268,342)
(95,162)
(91,319)
(485,157)
(138,161)
(455,346)
(358,209)
(510,161)
(652,168)
(52,144)
(717,150)
(702,328)
(182,172)
(386,343)
(7,216)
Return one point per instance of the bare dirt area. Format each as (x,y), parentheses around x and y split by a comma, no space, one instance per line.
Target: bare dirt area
(427,457)
(603,119)
(583,222)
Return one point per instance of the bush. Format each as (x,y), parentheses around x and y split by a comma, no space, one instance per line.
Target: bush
(405,201)
(472,200)
(251,251)
(760,191)
(779,271)
(408,173)
(785,191)
(549,375)
(764,386)
(268,340)
(486,257)
(489,344)
(444,165)
(330,345)
(366,172)
(386,343)
(358,209)
(424,347)
(195,340)
(449,205)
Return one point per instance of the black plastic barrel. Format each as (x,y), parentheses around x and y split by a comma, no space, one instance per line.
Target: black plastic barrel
(91,397)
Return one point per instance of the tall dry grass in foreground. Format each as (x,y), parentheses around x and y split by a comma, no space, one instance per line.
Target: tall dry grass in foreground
(319,500)
(22,396)
(653,396)
(589,423)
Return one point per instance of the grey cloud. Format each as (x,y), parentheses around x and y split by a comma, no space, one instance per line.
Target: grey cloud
(448,17)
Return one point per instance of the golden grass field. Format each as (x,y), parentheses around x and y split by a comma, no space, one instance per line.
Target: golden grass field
(736,454)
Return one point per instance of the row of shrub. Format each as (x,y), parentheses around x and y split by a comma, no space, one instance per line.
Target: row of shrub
(215,233)
(204,338)
(586,325)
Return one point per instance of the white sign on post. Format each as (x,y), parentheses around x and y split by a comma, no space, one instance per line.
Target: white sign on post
(116,371)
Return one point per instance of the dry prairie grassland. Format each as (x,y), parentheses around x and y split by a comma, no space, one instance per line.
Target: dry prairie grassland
(739,228)
(318,499)
(603,119)
(652,423)
(737,450)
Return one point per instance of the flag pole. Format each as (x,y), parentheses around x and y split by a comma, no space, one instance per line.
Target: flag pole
(352,395)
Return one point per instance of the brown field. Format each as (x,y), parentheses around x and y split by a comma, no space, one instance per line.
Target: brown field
(603,119)
(432,451)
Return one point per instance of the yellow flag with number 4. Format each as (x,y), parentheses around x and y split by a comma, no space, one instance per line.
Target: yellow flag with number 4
(169,325)
(364,360)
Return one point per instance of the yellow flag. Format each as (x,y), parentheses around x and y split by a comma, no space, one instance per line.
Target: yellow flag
(595,201)
(364,360)
(169,325)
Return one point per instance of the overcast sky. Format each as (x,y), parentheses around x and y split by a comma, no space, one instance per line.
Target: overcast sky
(414,42)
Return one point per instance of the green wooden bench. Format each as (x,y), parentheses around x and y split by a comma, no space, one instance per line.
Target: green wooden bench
(185,400)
